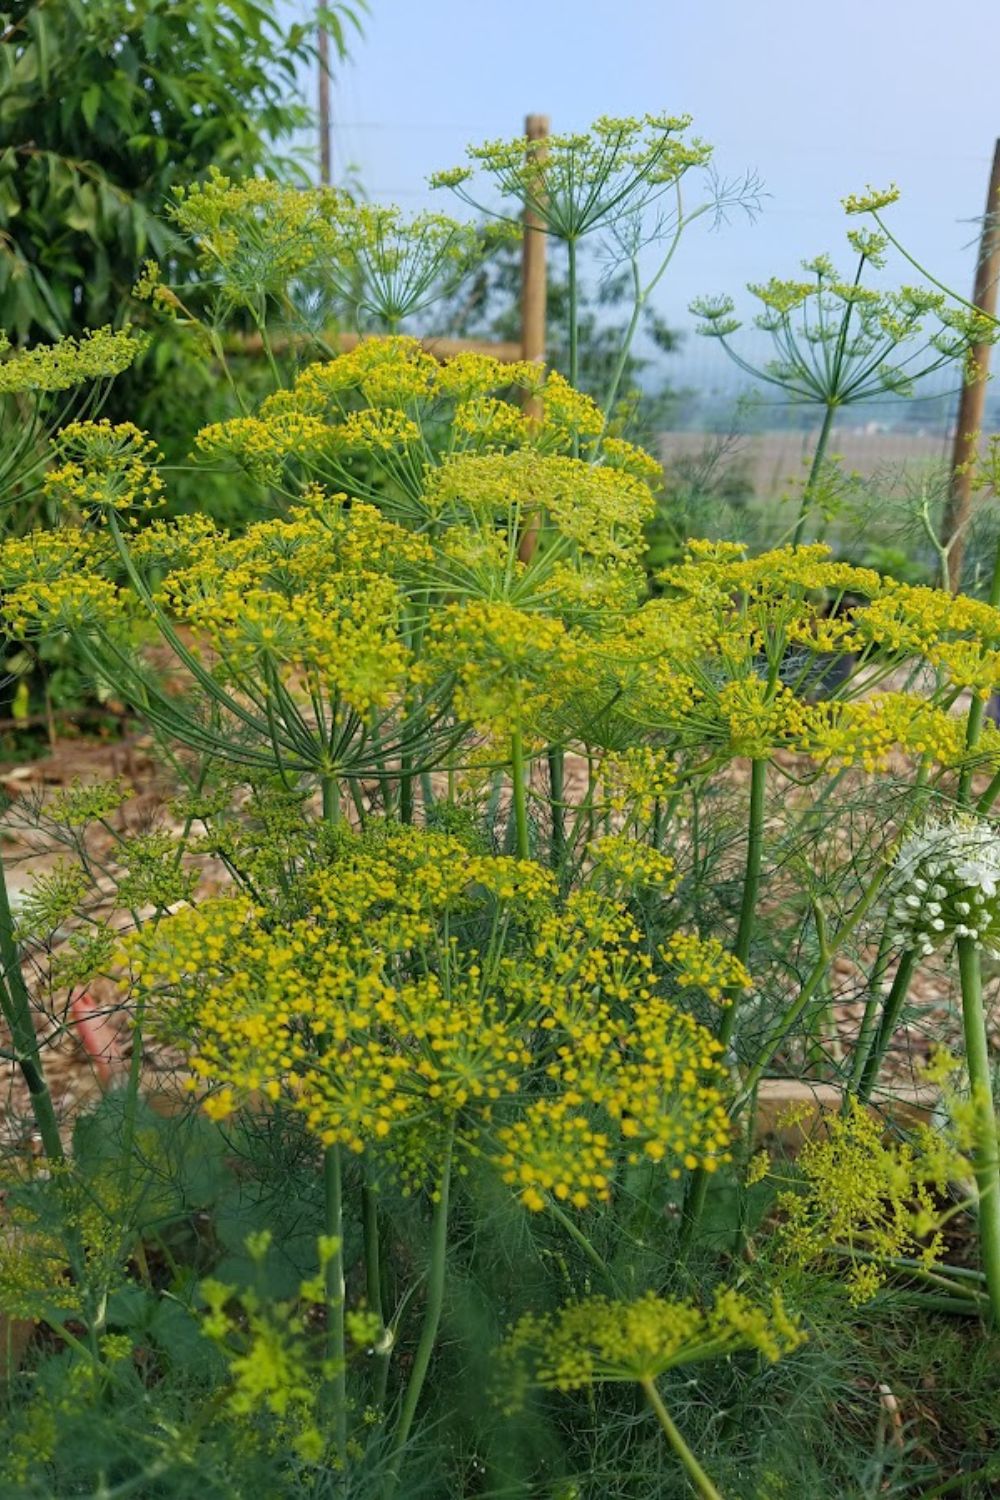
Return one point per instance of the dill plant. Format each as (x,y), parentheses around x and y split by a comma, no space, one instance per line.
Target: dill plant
(839,342)
(479,1042)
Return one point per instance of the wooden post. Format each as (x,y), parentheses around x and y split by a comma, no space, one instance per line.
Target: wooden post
(972,401)
(533,294)
(536,128)
(323,96)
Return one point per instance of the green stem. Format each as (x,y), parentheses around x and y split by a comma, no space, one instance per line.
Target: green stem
(698,1188)
(869,1059)
(751,886)
(335,1392)
(432,1319)
(814,471)
(985,1157)
(373,1275)
(519,793)
(699,1479)
(336,1348)
(573,297)
(557,761)
(15,1003)
(331,799)
(574,331)
(579,1238)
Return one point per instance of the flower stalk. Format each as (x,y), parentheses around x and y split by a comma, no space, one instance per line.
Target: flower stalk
(699,1479)
(432,1318)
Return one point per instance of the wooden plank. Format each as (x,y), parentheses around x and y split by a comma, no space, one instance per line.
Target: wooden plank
(508,350)
(907,1105)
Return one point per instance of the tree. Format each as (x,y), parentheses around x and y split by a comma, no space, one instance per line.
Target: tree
(105,107)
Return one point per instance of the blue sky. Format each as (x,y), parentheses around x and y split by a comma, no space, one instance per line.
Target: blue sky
(819,100)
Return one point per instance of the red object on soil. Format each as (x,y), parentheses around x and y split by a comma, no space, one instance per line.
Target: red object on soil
(98,1038)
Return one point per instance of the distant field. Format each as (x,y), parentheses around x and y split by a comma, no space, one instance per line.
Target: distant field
(773,460)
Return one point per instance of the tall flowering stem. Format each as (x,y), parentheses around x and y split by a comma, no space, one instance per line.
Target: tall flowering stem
(692,1467)
(432,1319)
(519,795)
(986,1156)
(987,1151)
(333,1217)
(741,950)
(945,888)
(336,1347)
(15,1003)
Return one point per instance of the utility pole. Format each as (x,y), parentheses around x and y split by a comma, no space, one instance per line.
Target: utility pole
(323,97)
(972,401)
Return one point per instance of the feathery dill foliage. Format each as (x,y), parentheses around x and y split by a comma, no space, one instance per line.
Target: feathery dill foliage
(492,892)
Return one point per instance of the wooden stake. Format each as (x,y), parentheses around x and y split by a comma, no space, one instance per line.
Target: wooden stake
(323,97)
(533,294)
(972,402)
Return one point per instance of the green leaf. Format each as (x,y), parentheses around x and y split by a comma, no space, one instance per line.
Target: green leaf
(90,103)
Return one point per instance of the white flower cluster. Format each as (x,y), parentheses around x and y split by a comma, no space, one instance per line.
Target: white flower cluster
(946,884)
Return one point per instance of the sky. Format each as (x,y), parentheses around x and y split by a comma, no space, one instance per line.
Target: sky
(819,100)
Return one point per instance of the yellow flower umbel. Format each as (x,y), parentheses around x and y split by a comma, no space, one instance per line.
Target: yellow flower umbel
(598,1340)
(98,354)
(863,1193)
(555,1061)
(408,412)
(104,465)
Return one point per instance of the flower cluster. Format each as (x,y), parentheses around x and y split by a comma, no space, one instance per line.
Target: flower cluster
(633,865)
(838,341)
(598,1339)
(549,1055)
(99,354)
(104,464)
(575,184)
(945,883)
(310,599)
(388,395)
(256,236)
(705,964)
(863,1193)
(513,669)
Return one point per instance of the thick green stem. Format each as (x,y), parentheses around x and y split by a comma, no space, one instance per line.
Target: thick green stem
(373,1276)
(869,1060)
(432,1318)
(519,794)
(335,1392)
(751,886)
(702,1484)
(336,1348)
(986,1158)
(556,759)
(573,298)
(331,799)
(814,471)
(698,1189)
(866,1030)
(15,1003)
(574,330)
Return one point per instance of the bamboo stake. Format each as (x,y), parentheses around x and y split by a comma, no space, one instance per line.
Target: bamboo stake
(533,297)
(972,401)
(323,97)
(506,351)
